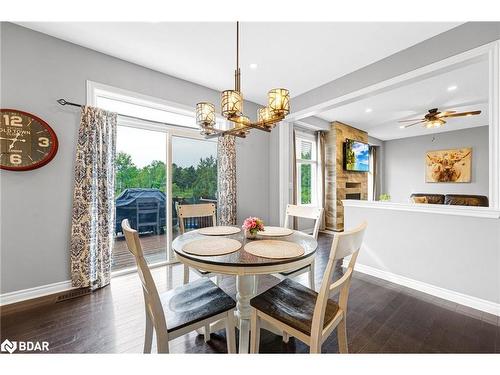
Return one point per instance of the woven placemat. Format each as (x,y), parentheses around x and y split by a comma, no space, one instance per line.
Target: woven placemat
(212,246)
(275,232)
(274,249)
(219,231)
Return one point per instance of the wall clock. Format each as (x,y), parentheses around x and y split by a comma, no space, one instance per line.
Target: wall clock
(26,141)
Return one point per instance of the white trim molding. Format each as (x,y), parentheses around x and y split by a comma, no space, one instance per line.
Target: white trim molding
(36,292)
(450,295)
(444,209)
(284,162)
(494,124)
(95,89)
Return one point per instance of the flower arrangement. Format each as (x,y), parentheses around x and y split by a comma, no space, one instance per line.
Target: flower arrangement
(252,225)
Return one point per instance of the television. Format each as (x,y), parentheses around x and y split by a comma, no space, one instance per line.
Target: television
(356,156)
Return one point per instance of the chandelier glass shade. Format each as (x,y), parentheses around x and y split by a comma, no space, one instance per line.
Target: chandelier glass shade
(231,103)
(264,115)
(436,123)
(277,108)
(205,115)
(279,102)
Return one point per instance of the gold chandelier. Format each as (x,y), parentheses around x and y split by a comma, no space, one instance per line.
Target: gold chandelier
(278,106)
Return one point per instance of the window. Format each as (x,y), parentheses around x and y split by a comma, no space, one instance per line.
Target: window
(307,164)
(158,166)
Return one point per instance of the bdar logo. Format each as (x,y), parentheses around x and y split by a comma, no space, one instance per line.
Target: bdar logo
(8,346)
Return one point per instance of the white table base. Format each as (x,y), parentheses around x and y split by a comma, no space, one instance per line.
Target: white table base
(246,287)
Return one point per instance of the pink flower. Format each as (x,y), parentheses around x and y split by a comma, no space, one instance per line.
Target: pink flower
(253,224)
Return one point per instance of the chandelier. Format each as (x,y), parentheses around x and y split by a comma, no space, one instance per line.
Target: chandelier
(278,106)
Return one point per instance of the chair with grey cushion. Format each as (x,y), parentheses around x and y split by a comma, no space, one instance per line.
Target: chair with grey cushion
(181,310)
(301,312)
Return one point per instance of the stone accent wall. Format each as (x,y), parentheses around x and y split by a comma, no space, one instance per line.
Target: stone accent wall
(339,182)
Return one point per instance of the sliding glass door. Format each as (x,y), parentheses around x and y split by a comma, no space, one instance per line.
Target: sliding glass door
(161,161)
(194,176)
(156,170)
(140,193)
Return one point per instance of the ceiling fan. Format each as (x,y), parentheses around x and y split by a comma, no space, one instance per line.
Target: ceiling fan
(435,119)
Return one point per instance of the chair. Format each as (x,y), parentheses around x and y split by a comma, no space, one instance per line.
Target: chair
(301,312)
(148,214)
(205,215)
(180,310)
(305,212)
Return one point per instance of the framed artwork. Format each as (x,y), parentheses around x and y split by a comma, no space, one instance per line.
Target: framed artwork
(448,165)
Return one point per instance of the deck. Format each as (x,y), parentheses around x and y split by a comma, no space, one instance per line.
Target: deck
(154,247)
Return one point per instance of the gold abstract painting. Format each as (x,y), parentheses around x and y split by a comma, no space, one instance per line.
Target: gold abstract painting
(448,165)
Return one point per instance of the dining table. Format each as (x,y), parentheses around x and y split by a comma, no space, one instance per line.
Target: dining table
(246,267)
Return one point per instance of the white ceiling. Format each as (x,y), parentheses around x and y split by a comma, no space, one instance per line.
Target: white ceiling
(297,55)
(414,100)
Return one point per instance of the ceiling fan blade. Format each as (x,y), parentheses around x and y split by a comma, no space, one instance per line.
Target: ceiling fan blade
(415,123)
(445,113)
(471,113)
(413,119)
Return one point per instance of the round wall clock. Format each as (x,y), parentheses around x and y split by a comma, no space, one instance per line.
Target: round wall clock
(26,141)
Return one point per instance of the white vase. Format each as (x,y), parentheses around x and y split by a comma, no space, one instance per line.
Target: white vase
(249,235)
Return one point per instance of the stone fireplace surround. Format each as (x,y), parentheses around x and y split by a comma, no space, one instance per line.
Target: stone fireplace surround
(339,182)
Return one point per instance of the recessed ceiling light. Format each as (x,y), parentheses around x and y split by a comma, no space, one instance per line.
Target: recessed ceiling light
(253,66)
(368,110)
(452,88)
(401,126)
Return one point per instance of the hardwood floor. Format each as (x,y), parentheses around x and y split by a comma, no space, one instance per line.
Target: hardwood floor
(382,318)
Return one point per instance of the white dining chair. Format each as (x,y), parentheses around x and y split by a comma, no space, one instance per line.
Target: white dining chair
(204,212)
(181,310)
(305,212)
(301,312)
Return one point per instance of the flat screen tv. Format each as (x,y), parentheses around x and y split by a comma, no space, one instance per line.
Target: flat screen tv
(356,156)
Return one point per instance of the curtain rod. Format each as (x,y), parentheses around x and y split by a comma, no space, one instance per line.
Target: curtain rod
(219,132)
(65,102)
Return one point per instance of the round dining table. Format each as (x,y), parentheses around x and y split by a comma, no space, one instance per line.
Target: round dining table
(245,267)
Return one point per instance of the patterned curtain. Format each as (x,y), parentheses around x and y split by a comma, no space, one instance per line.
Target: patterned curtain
(226,180)
(93,199)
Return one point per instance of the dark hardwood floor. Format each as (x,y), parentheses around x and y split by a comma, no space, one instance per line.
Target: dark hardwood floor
(382,318)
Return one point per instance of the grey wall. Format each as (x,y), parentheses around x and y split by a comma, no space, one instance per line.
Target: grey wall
(457,253)
(404,163)
(37,69)
(274,193)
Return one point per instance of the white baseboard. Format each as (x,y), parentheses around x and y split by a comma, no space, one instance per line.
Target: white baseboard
(39,291)
(450,295)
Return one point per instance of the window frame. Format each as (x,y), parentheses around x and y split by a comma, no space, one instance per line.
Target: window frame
(307,137)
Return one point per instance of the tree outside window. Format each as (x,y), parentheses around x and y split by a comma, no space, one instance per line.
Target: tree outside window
(306,165)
